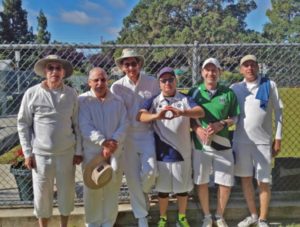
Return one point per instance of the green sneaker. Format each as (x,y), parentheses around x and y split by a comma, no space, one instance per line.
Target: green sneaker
(182,222)
(162,222)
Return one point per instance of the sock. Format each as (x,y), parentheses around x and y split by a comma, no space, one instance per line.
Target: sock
(207,216)
(180,216)
(254,216)
(217,216)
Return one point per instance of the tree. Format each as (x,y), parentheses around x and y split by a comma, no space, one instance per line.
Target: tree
(284,25)
(184,21)
(43,36)
(14,26)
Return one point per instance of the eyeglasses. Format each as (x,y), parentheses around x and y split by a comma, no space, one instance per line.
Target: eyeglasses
(128,64)
(98,79)
(52,68)
(170,80)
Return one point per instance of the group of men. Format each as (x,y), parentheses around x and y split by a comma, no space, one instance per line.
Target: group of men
(141,126)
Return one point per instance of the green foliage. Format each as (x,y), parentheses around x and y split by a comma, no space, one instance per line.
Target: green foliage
(43,36)
(284,23)
(184,21)
(14,25)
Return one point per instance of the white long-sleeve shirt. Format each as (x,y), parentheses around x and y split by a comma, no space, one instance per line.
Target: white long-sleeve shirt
(134,95)
(101,120)
(48,121)
(254,123)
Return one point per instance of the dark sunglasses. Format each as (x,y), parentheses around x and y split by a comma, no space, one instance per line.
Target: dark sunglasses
(97,80)
(170,80)
(132,64)
(52,68)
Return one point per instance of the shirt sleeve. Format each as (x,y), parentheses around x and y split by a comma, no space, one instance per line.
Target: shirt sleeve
(24,125)
(120,134)
(278,106)
(147,104)
(75,125)
(87,129)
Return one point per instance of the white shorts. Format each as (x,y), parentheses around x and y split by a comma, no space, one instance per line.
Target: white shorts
(255,157)
(49,168)
(174,177)
(221,163)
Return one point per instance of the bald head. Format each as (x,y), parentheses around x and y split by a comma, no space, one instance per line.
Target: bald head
(94,72)
(98,82)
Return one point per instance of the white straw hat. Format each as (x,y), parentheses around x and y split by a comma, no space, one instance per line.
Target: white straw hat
(39,67)
(129,53)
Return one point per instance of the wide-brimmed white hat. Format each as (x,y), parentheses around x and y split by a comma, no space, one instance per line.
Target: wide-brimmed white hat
(97,173)
(129,53)
(39,67)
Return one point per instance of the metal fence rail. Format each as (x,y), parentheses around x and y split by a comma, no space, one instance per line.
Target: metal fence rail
(279,61)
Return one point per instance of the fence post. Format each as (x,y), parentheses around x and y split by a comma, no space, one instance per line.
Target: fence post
(195,63)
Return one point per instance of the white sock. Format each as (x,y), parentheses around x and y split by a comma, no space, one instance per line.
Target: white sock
(254,216)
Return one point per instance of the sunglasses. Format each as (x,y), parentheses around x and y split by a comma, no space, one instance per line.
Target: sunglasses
(97,80)
(170,80)
(52,68)
(132,64)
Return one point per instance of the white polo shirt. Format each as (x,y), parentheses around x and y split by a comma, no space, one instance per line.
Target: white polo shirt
(174,132)
(255,124)
(134,95)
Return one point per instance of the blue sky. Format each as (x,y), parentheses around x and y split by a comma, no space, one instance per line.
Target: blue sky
(89,21)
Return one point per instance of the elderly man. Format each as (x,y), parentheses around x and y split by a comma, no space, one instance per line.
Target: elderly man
(170,113)
(134,88)
(258,98)
(212,140)
(103,124)
(49,136)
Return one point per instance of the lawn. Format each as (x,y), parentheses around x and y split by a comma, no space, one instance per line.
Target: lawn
(291,122)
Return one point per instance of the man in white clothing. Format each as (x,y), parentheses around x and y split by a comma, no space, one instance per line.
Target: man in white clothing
(252,142)
(103,124)
(134,88)
(49,136)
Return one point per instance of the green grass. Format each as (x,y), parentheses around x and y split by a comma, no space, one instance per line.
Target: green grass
(291,122)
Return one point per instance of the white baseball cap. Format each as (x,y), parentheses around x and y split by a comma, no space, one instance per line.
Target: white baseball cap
(213,61)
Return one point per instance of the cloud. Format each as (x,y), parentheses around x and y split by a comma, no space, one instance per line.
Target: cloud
(117,3)
(82,18)
(76,17)
(113,31)
(89,5)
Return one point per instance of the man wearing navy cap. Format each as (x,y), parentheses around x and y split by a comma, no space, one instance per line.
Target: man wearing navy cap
(170,113)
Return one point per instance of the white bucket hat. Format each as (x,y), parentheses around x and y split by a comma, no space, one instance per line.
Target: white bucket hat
(97,173)
(129,53)
(40,65)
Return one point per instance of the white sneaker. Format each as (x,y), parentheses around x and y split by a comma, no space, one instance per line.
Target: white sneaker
(221,223)
(207,222)
(262,224)
(143,222)
(248,221)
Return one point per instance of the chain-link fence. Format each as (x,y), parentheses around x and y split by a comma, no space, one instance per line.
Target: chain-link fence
(279,61)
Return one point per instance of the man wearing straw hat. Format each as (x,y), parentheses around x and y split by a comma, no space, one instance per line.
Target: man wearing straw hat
(103,124)
(49,136)
(134,88)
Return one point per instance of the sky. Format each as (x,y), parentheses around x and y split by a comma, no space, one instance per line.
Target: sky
(93,21)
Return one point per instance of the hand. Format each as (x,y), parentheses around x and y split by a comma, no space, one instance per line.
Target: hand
(30,162)
(106,153)
(176,112)
(165,114)
(77,159)
(214,128)
(110,144)
(276,147)
(202,135)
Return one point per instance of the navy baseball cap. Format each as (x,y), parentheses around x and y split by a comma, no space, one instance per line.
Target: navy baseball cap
(165,70)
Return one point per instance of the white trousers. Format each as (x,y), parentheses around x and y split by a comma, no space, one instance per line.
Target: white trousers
(140,169)
(47,169)
(101,205)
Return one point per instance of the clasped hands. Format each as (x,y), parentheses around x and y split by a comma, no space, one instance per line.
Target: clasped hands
(169,112)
